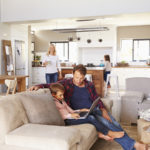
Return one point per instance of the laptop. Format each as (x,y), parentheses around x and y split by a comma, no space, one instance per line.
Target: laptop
(84,114)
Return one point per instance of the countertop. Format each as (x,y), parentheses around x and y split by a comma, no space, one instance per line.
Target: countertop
(102,68)
(134,66)
(88,68)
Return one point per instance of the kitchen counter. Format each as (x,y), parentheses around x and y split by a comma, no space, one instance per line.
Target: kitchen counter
(88,68)
(133,66)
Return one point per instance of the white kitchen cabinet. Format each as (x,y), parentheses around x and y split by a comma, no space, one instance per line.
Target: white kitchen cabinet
(124,73)
(38,75)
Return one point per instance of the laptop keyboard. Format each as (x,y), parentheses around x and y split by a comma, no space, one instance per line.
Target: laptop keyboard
(83,113)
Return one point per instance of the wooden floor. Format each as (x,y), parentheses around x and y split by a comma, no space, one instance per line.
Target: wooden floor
(105,145)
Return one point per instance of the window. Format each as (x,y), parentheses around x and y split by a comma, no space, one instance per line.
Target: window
(62,50)
(141,49)
(126,50)
(135,49)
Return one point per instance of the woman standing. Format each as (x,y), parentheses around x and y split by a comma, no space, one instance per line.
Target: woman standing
(107,68)
(52,64)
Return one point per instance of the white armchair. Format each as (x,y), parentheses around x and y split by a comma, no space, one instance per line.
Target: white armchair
(136,98)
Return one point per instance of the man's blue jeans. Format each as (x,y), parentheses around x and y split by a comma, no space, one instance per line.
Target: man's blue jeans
(90,119)
(51,77)
(126,142)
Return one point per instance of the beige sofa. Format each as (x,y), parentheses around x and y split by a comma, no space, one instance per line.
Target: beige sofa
(30,121)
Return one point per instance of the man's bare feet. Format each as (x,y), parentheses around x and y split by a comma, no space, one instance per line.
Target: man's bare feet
(105,137)
(115,134)
(140,146)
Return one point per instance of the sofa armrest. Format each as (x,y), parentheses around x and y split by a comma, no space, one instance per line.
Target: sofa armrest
(108,103)
(133,95)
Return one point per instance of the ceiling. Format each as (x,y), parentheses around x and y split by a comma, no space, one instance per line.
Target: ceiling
(92,22)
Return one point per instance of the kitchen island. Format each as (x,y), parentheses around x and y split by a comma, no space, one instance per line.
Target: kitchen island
(97,77)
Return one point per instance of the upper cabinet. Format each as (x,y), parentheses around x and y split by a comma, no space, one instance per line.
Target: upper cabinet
(91,39)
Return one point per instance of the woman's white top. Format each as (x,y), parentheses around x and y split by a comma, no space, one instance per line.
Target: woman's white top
(107,66)
(53,64)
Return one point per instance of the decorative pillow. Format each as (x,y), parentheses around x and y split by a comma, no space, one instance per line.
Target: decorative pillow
(41,109)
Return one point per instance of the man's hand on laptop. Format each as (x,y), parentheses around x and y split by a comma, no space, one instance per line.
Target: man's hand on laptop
(84,110)
(75,115)
(32,88)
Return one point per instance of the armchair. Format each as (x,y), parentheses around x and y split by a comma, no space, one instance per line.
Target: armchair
(136,98)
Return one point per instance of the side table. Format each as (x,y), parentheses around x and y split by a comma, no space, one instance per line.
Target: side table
(143,135)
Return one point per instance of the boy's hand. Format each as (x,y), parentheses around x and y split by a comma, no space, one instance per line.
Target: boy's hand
(84,109)
(75,116)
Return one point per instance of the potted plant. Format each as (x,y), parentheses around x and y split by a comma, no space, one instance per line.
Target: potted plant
(122,64)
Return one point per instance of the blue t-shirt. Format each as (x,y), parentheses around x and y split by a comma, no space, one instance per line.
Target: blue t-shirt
(80,98)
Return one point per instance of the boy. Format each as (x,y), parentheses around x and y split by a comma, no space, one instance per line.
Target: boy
(71,116)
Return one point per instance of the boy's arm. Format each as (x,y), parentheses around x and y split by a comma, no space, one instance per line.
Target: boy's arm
(68,107)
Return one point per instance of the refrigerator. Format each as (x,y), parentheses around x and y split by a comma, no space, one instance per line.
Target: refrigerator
(20,57)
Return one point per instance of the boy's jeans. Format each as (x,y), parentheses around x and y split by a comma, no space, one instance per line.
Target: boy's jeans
(126,142)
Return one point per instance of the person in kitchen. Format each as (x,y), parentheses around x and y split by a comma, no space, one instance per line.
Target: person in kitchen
(52,65)
(80,93)
(107,66)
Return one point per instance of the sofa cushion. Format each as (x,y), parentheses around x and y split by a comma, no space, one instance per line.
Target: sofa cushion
(44,137)
(12,115)
(88,135)
(41,109)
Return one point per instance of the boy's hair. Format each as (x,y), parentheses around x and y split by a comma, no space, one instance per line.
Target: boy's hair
(55,87)
(80,68)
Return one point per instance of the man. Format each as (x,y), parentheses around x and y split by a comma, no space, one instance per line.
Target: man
(80,93)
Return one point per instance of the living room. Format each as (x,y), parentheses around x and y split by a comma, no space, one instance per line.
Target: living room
(33,22)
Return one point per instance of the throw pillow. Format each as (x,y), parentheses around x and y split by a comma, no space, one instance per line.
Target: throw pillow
(41,109)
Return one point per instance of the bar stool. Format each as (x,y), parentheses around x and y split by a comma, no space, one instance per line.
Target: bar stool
(115,77)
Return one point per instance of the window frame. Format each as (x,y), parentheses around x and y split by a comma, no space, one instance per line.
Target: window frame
(133,49)
(67,42)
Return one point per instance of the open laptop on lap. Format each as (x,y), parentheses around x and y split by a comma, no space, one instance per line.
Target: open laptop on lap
(83,114)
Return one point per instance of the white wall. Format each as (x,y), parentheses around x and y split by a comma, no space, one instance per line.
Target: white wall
(25,10)
(96,49)
(42,38)
(0,10)
(93,55)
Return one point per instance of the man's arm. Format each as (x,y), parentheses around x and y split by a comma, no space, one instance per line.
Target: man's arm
(101,105)
(95,96)
(36,87)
